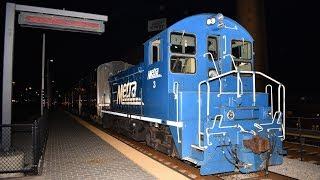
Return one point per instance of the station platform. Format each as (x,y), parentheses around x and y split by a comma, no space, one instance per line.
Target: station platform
(77,150)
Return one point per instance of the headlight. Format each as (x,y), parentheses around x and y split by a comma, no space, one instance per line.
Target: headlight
(230,114)
(211,21)
(212,73)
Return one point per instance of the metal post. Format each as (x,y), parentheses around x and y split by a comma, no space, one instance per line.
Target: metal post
(79,102)
(42,72)
(48,84)
(35,145)
(72,99)
(7,74)
(300,139)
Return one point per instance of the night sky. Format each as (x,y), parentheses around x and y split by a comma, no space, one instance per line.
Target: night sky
(291,40)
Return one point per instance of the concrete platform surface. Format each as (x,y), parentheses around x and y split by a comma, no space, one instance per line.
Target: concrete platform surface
(74,152)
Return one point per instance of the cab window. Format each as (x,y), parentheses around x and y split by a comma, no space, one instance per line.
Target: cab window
(242,54)
(241,50)
(180,64)
(155,51)
(182,43)
(213,47)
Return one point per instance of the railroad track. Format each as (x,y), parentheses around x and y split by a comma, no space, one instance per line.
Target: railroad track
(303,145)
(304,152)
(183,167)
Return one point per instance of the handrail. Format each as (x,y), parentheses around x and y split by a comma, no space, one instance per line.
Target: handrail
(208,101)
(283,108)
(280,87)
(15,125)
(266,76)
(234,64)
(215,66)
(271,96)
(214,63)
(254,88)
(239,85)
(239,81)
(176,97)
(307,118)
(199,108)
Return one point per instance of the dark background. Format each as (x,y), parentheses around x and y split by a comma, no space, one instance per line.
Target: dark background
(291,41)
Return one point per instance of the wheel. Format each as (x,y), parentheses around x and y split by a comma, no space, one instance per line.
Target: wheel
(148,138)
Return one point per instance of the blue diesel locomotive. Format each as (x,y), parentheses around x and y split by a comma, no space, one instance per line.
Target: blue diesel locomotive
(195,97)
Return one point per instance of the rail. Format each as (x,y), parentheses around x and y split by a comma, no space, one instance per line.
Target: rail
(281,91)
(304,133)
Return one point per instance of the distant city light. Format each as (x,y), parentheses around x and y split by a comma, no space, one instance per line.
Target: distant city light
(51,60)
(30,88)
(52,81)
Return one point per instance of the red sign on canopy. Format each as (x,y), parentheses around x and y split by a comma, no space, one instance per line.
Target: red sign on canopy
(60,22)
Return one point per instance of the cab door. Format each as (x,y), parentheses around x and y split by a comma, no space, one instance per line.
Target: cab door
(155,86)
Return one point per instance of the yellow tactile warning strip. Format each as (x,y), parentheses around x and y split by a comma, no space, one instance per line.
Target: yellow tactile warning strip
(152,166)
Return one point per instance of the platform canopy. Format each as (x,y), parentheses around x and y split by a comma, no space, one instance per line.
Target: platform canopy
(38,17)
(56,19)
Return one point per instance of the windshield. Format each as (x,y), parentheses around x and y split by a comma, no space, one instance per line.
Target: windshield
(241,50)
(242,54)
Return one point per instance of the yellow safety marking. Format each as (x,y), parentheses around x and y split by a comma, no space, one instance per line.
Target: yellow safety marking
(152,166)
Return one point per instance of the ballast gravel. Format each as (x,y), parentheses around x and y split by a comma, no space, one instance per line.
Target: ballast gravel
(297,169)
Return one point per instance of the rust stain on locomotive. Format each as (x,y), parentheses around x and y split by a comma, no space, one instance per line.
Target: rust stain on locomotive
(257,144)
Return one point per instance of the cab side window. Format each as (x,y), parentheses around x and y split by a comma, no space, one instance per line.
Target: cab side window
(155,51)
(182,43)
(185,65)
(183,49)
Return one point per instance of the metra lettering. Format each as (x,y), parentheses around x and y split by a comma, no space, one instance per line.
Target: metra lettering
(127,93)
(154,73)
